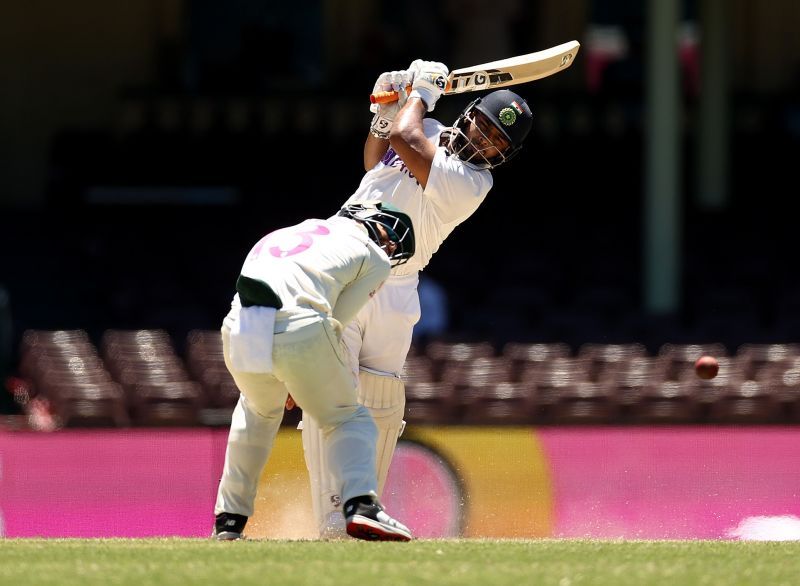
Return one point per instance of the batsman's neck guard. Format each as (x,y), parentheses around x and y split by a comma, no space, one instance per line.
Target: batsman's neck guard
(397,224)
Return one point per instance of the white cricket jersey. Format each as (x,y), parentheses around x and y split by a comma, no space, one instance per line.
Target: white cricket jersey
(331,266)
(454,191)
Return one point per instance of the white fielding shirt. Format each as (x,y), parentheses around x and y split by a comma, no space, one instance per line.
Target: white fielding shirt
(453,193)
(331,266)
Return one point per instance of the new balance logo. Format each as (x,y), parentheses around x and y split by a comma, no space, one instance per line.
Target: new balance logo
(230,523)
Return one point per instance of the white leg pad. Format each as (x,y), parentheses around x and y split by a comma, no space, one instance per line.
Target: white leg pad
(384,396)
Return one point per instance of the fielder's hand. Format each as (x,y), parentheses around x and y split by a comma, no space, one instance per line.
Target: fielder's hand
(384,113)
(430,80)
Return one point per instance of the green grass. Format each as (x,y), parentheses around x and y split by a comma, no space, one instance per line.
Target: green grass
(189,562)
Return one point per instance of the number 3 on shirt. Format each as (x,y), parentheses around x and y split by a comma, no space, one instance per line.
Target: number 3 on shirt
(288,241)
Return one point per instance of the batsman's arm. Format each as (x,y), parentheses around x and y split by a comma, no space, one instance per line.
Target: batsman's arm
(374,149)
(408,140)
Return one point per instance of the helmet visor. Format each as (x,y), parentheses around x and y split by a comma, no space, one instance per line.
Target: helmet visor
(477,142)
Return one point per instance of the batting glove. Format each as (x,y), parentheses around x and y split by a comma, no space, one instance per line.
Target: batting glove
(384,113)
(430,81)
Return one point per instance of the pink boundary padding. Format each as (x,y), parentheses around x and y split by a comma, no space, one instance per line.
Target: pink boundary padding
(654,483)
(132,483)
(670,483)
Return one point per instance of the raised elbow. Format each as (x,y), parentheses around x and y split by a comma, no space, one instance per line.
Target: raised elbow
(404,133)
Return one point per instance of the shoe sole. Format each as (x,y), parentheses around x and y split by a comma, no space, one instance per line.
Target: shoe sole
(365,528)
(227,536)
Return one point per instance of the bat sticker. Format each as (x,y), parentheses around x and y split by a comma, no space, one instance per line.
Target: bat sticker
(478,80)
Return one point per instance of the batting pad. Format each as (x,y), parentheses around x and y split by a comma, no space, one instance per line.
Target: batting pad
(384,396)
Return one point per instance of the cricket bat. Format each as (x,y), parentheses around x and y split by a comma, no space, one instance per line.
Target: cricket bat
(502,73)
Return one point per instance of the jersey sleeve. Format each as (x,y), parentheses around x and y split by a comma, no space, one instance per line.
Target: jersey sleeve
(455,189)
(374,271)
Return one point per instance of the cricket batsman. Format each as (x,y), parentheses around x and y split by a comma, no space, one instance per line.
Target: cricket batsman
(438,176)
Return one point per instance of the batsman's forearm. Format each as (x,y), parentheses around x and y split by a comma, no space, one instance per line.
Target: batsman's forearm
(374,149)
(408,140)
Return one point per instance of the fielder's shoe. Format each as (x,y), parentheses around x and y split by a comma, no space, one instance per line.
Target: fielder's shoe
(366,520)
(228,527)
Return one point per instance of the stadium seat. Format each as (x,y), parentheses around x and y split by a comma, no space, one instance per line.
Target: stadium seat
(430,403)
(89,405)
(441,351)
(668,402)
(707,392)
(219,388)
(419,369)
(555,376)
(585,402)
(782,380)
(54,375)
(606,358)
(173,403)
(681,357)
(749,402)
(140,359)
(504,403)
(133,362)
(477,373)
(523,355)
(135,338)
(633,376)
(53,338)
(132,376)
(755,358)
(64,368)
(203,344)
(451,357)
(40,358)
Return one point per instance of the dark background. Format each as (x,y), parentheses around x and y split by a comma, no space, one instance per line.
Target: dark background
(147,146)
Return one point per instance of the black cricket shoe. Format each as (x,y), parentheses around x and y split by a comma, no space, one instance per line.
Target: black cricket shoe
(229,527)
(366,519)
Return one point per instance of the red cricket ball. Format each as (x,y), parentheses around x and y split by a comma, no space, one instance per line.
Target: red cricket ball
(706,367)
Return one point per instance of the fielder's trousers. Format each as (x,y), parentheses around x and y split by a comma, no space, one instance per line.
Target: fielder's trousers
(309,362)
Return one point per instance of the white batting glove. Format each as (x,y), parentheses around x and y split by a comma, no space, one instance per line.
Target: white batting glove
(384,113)
(430,80)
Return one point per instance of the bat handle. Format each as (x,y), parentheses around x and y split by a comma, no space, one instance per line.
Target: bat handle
(386,97)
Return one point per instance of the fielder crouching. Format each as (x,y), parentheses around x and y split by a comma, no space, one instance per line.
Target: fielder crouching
(297,287)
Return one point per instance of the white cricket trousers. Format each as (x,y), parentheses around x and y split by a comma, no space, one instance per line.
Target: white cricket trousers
(380,335)
(309,362)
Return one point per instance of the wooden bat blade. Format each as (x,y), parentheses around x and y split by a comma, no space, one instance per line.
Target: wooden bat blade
(515,70)
(502,73)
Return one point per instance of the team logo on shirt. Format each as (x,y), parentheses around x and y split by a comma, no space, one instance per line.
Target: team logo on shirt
(392,159)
